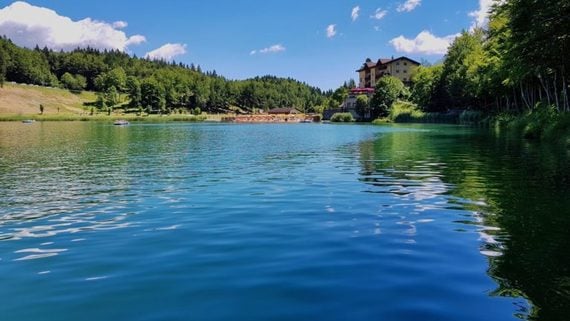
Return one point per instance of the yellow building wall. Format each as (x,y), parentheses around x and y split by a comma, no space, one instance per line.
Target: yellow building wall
(362,75)
(373,77)
(401,69)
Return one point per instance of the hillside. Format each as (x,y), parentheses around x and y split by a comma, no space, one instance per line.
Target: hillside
(26,99)
(158,87)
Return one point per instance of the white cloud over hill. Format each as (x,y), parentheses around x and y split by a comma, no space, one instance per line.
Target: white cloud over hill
(167,52)
(29,25)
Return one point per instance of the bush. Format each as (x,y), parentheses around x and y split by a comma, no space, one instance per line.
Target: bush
(544,123)
(381,121)
(559,130)
(405,112)
(342,118)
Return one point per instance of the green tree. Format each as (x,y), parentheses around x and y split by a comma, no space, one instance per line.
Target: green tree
(388,90)
(117,78)
(428,90)
(363,106)
(100,102)
(74,83)
(338,97)
(67,80)
(133,86)
(461,69)
(152,95)
(3,65)
(112,96)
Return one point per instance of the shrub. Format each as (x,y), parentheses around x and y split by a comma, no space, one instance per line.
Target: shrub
(342,118)
(402,112)
(559,130)
(381,121)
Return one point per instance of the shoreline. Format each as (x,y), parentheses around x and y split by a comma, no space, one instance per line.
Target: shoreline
(132,118)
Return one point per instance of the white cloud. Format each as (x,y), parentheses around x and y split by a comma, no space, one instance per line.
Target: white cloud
(331,31)
(167,52)
(409,5)
(379,14)
(120,24)
(272,49)
(424,43)
(481,15)
(135,40)
(355,13)
(29,25)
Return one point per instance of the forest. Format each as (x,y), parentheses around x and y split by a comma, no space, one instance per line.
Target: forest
(516,64)
(128,82)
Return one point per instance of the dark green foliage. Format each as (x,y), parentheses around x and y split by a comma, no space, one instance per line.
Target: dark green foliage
(133,89)
(338,97)
(460,75)
(3,64)
(362,105)
(74,83)
(519,61)
(157,86)
(26,66)
(153,96)
(387,91)
(428,90)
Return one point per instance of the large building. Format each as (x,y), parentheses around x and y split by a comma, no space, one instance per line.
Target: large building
(371,71)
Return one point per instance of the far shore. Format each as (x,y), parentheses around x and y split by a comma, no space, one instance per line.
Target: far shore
(231,118)
(112,117)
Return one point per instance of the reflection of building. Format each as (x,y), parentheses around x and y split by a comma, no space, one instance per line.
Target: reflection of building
(371,71)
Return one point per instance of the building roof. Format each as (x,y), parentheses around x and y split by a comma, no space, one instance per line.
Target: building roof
(286,111)
(401,58)
(360,91)
(383,61)
(367,65)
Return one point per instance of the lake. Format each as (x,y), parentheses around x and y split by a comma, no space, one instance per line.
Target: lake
(281,222)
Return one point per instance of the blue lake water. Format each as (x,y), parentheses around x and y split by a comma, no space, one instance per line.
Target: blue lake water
(280,222)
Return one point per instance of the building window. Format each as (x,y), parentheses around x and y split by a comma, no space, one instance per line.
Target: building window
(397,71)
(397,64)
(405,79)
(405,63)
(405,71)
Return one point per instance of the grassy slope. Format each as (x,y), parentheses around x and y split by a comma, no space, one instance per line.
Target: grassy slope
(16,99)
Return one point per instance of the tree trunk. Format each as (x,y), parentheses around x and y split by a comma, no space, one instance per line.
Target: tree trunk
(556,92)
(525,98)
(545,88)
(566,106)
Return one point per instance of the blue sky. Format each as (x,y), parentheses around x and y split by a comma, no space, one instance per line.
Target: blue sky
(320,42)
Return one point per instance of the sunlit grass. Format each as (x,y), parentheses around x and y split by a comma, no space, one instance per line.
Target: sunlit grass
(102,117)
